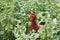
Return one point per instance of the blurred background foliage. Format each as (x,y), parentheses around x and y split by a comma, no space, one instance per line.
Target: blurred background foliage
(15,20)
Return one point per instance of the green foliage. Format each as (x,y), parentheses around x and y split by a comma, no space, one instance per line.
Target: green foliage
(15,21)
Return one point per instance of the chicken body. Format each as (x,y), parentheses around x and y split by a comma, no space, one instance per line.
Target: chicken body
(34,24)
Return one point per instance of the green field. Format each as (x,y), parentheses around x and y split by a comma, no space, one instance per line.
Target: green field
(15,21)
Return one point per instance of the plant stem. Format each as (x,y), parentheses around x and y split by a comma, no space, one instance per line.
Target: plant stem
(45,33)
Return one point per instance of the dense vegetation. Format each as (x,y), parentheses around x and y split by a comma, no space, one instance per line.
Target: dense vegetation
(15,20)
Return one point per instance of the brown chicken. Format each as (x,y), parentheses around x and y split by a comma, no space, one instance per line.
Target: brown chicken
(34,24)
